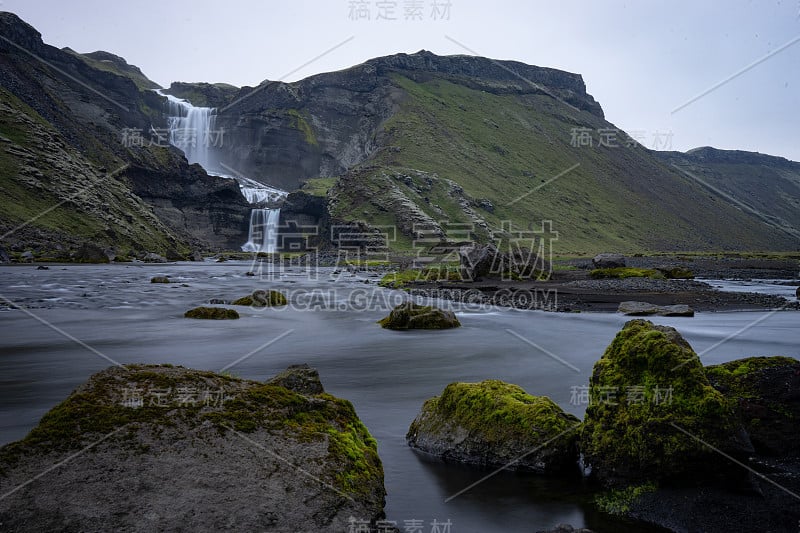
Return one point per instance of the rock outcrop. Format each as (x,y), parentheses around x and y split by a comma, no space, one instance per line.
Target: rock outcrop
(492,423)
(653,414)
(169,448)
(766,394)
(409,315)
(479,262)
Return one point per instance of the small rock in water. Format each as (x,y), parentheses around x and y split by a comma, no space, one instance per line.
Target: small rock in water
(159,279)
(41,267)
(414,316)
(212,313)
(648,309)
(250,274)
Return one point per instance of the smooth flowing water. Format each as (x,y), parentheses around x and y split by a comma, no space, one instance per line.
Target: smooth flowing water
(114,310)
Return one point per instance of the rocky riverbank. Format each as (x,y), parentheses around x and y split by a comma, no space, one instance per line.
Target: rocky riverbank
(571,286)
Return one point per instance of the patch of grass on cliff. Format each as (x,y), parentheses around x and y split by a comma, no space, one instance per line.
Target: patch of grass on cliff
(299,122)
(318,186)
(625,272)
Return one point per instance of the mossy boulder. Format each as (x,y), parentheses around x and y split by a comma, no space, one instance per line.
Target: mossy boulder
(262,298)
(409,315)
(651,405)
(212,313)
(766,395)
(176,449)
(159,279)
(496,424)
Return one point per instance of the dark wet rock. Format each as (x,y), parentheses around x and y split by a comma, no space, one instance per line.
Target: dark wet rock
(565,528)
(250,274)
(41,267)
(299,378)
(675,272)
(152,257)
(480,261)
(218,301)
(212,313)
(647,309)
(650,402)
(414,316)
(493,423)
(797,293)
(175,449)
(262,298)
(766,395)
(4,257)
(608,260)
(159,279)
(196,256)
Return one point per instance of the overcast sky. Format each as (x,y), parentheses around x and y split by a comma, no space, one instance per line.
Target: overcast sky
(640,59)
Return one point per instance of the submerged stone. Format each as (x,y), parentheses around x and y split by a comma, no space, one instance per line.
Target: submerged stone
(409,315)
(159,279)
(493,423)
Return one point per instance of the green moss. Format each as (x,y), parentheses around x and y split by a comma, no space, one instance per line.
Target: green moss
(618,502)
(212,313)
(624,272)
(398,280)
(262,298)
(500,411)
(159,279)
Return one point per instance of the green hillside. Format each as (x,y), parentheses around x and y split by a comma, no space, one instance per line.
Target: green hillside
(504,149)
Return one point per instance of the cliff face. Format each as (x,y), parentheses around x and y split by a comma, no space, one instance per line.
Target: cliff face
(71,121)
(284,133)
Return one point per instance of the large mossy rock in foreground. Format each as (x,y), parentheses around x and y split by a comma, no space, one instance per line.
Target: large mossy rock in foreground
(409,315)
(651,405)
(766,395)
(176,449)
(495,423)
(262,298)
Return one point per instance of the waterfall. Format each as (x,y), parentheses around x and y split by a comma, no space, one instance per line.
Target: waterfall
(263,235)
(192,129)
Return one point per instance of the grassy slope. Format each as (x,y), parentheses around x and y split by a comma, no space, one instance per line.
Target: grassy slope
(50,189)
(501,147)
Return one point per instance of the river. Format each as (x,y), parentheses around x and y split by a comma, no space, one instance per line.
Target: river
(77,316)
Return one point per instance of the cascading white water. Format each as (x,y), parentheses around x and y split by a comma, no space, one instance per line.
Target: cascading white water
(263,235)
(192,129)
